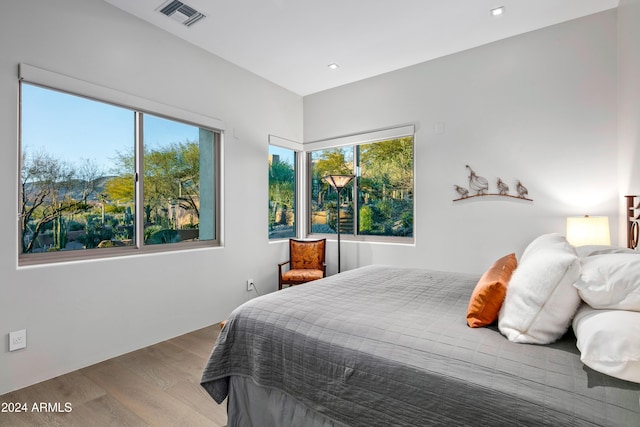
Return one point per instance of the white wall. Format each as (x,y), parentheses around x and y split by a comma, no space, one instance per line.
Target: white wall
(539,107)
(629,99)
(77,314)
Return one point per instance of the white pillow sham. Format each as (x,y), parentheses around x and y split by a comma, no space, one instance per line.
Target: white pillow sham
(611,281)
(609,341)
(544,243)
(590,250)
(541,300)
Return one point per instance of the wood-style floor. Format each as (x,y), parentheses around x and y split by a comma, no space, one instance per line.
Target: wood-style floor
(155,386)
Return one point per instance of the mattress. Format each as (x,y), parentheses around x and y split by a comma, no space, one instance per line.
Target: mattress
(382,345)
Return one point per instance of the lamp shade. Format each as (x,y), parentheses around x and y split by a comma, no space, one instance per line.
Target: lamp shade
(338,181)
(588,230)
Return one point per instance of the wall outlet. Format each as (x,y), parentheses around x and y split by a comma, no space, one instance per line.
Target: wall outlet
(250,285)
(17,340)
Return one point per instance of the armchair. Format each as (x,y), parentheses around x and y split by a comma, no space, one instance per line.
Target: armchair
(306,262)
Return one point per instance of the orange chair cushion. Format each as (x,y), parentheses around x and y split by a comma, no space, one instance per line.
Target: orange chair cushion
(301,275)
(489,293)
(307,255)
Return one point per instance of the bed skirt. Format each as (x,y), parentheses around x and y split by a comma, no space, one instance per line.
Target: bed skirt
(249,404)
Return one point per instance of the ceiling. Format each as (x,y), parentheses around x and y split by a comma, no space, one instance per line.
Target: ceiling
(292,42)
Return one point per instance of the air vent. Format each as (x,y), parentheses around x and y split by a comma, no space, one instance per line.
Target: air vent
(181,12)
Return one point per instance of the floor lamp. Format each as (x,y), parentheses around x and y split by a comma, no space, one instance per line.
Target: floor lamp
(338,182)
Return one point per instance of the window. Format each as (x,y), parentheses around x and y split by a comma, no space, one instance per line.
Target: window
(379,202)
(98,179)
(282,192)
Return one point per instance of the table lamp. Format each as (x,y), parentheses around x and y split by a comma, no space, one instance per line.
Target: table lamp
(588,230)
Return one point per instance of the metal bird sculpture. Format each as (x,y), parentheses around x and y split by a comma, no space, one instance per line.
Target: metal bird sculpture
(477,183)
(522,190)
(463,192)
(503,188)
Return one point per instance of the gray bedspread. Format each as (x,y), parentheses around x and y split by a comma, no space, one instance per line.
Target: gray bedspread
(389,346)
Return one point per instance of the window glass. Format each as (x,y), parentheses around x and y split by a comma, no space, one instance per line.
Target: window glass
(78,176)
(178,181)
(381,194)
(385,188)
(69,145)
(324,199)
(282,192)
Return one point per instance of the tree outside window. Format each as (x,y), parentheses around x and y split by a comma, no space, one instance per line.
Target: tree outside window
(385,188)
(379,202)
(282,193)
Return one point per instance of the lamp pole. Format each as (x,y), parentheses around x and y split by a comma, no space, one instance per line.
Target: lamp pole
(338,182)
(338,224)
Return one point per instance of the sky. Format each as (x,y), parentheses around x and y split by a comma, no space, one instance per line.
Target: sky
(286,154)
(74,128)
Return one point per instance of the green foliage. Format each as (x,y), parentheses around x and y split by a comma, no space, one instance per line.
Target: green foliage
(162,236)
(55,193)
(75,225)
(332,161)
(50,190)
(148,231)
(406,221)
(171,176)
(95,232)
(366,219)
(123,233)
(59,233)
(120,189)
(388,164)
(281,198)
(172,173)
(147,214)
(384,186)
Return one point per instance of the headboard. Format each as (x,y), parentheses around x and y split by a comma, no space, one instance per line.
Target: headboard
(633,217)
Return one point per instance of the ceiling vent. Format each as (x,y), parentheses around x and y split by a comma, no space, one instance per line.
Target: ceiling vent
(181,12)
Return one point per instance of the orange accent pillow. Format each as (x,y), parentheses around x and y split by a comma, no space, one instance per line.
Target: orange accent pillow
(489,293)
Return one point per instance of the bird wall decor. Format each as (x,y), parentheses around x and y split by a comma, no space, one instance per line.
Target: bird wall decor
(463,192)
(477,183)
(503,189)
(522,190)
(480,185)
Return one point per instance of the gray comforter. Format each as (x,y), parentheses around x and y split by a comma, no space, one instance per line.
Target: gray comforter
(390,346)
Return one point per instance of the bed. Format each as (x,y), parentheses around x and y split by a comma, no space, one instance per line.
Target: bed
(390,346)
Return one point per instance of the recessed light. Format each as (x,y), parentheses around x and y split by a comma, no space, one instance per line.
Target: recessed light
(497,11)
(333,66)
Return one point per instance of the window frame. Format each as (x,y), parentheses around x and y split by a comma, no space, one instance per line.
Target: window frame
(138,106)
(353,141)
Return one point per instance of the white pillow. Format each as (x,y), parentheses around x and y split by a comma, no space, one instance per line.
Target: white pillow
(609,341)
(611,281)
(590,250)
(541,300)
(543,243)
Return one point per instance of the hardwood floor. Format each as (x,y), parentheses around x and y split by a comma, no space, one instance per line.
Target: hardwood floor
(155,386)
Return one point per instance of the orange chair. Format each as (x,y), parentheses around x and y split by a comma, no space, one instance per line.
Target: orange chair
(306,262)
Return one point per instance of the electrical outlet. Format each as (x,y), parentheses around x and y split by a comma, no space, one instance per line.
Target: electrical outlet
(250,285)
(17,340)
